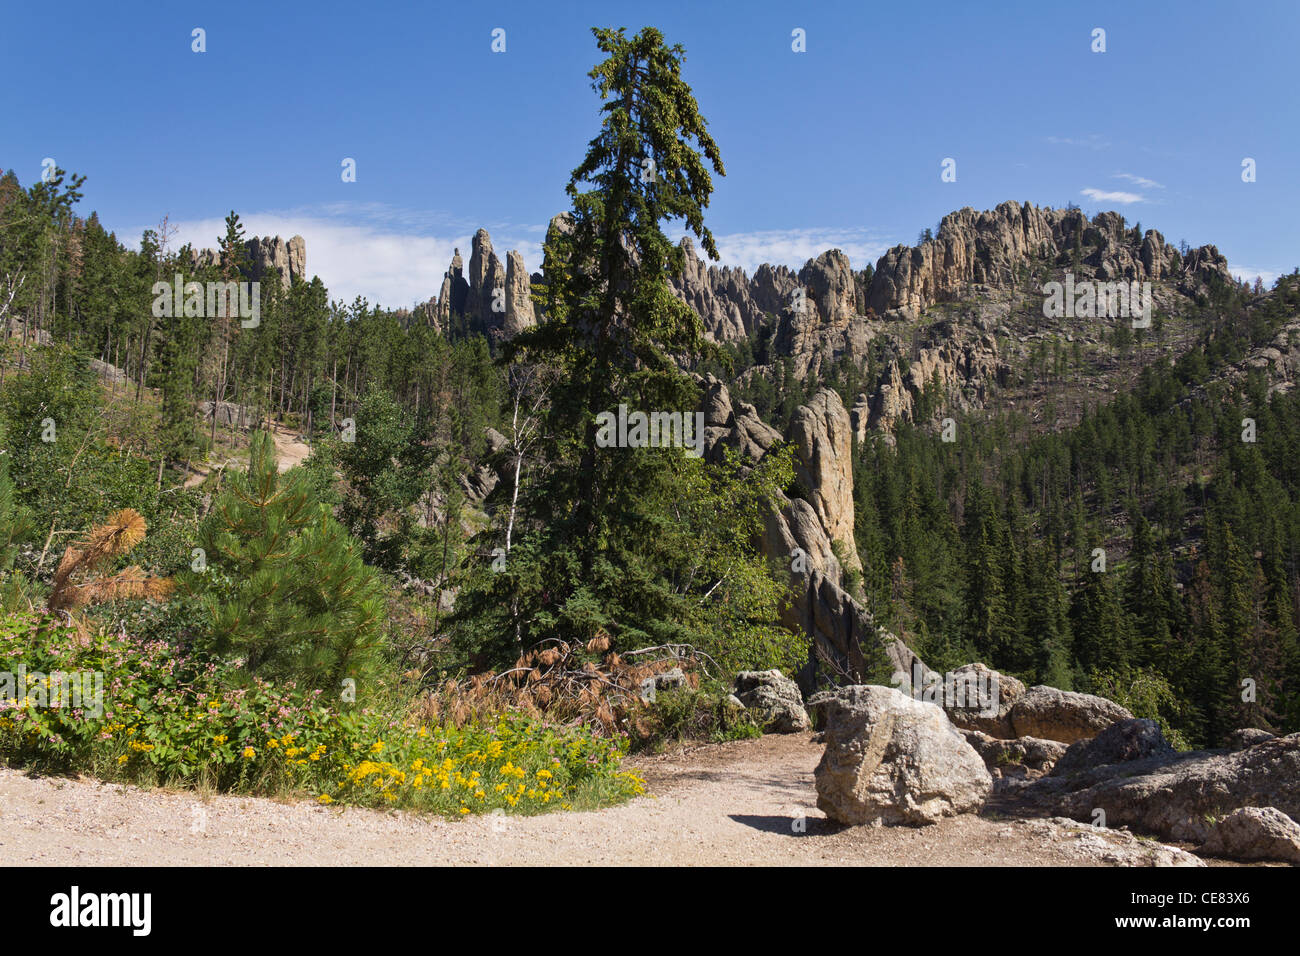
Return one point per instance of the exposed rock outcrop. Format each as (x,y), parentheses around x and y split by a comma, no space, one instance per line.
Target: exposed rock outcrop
(1122,741)
(494,298)
(843,638)
(1103,846)
(822,435)
(893,760)
(228,414)
(519,302)
(266,257)
(995,248)
(1179,796)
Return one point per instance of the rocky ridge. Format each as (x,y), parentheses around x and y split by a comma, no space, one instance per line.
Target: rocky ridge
(267,256)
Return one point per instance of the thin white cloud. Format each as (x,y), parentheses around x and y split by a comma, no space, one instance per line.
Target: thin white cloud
(1140,181)
(1102,195)
(1091,141)
(1250,273)
(794,247)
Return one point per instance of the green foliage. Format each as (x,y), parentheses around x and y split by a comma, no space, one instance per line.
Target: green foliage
(983,548)
(690,714)
(1146,693)
(689,578)
(386,468)
(167,718)
(627,541)
(285,586)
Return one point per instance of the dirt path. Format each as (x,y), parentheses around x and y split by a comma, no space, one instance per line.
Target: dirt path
(734,803)
(290,450)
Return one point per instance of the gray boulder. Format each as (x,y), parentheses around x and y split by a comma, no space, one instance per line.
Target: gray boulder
(1024,756)
(1063,715)
(893,760)
(668,680)
(775,697)
(1255,833)
(970,711)
(1246,737)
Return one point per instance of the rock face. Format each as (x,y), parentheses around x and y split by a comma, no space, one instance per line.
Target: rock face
(494,299)
(775,697)
(228,414)
(1255,833)
(732,305)
(841,632)
(738,427)
(519,303)
(1178,796)
(828,280)
(1063,715)
(1279,360)
(893,760)
(822,435)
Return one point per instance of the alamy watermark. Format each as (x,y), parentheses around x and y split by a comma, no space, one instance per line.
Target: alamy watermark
(1090,299)
(212,299)
(970,690)
(76,690)
(651,430)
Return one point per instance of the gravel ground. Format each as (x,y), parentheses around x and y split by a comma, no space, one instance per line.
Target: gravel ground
(746,802)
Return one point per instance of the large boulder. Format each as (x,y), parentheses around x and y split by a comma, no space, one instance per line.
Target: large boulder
(1121,742)
(1255,833)
(775,698)
(893,760)
(977,697)
(1062,714)
(1245,737)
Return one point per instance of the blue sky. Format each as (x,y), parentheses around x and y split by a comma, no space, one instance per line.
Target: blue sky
(837,146)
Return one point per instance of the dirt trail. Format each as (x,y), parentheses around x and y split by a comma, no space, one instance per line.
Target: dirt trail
(290,450)
(733,803)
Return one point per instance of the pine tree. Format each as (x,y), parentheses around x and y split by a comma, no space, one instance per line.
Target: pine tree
(986,619)
(284,584)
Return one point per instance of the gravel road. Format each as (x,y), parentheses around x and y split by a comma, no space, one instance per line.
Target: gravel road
(746,802)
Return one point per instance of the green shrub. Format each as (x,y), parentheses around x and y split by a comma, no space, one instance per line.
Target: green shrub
(175,720)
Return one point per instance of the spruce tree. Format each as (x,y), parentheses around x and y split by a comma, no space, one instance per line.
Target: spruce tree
(626,541)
